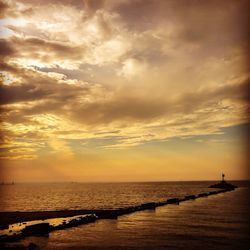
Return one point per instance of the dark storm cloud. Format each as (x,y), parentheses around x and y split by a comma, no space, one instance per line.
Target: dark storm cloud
(5,67)
(6,50)
(36,87)
(66,100)
(150,12)
(3,8)
(13,94)
(211,24)
(46,2)
(156,63)
(208,98)
(146,109)
(34,46)
(123,108)
(94,5)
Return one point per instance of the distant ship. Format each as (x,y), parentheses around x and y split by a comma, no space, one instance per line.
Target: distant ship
(223,184)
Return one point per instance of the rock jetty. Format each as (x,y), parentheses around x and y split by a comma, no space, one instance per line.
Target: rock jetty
(223,184)
(93,215)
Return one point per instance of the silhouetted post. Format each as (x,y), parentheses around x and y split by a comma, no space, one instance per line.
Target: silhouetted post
(223,177)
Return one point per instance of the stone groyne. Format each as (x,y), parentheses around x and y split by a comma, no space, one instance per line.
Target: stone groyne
(72,218)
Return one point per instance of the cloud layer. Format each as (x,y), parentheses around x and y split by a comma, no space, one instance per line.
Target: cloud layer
(116,74)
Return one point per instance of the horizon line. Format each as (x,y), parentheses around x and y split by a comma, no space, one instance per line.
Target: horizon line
(93,182)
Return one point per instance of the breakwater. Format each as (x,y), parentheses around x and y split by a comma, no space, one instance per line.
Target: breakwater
(78,217)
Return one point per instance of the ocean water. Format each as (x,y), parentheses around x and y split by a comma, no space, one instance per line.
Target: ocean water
(215,222)
(60,196)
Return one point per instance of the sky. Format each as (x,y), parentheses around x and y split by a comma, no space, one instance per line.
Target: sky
(122,90)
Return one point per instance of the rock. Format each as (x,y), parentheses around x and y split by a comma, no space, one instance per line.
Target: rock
(173,201)
(203,195)
(223,185)
(150,205)
(190,197)
(41,228)
(212,192)
(75,222)
(33,246)
(161,203)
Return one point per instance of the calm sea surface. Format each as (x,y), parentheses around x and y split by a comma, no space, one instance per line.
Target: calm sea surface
(57,196)
(214,222)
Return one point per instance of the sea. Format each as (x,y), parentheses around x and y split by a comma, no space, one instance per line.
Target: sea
(216,222)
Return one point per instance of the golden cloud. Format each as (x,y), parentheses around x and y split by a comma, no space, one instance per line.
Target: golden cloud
(97,70)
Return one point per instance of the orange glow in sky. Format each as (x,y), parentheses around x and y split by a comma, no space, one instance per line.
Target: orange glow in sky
(123,90)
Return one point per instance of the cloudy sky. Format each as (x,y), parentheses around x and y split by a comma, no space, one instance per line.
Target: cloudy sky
(123,90)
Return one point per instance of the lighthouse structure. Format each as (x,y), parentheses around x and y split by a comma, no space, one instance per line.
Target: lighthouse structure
(223,184)
(223,176)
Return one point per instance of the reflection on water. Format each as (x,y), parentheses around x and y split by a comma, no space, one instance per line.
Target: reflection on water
(215,222)
(59,196)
